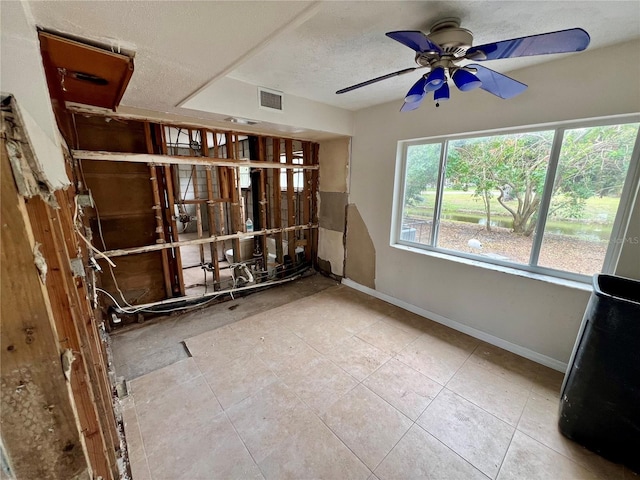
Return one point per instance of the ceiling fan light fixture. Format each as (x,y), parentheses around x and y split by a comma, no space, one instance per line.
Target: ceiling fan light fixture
(465,80)
(417,91)
(441,94)
(435,79)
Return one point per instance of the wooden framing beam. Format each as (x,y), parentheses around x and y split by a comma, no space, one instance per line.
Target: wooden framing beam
(91,111)
(169,217)
(157,211)
(314,203)
(262,193)
(92,343)
(277,199)
(181,160)
(291,207)
(306,198)
(196,194)
(40,433)
(219,238)
(234,188)
(211,214)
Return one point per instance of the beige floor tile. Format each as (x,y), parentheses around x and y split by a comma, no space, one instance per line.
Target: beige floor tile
(140,470)
(303,313)
(372,477)
(477,436)
(323,335)
(133,436)
(442,333)
(211,451)
(368,425)
(313,452)
(319,384)
(420,455)
(540,422)
(434,358)
(178,411)
(358,357)
(217,347)
(252,329)
(284,353)
(491,392)
(151,385)
(267,418)
(407,321)
(403,387)
(354,317)
(239,379)
(548,383)
(512,367)
(387,337)
(347,293)
(528,459)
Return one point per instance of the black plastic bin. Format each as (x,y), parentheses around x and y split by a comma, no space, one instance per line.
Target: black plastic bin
(600,400)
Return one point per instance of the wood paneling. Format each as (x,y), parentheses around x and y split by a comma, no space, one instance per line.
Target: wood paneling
(39,430)
(123,195)
(97,133)
(84,73)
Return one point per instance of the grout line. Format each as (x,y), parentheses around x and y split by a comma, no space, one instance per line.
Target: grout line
(144,449)
(232,424)
(452,450)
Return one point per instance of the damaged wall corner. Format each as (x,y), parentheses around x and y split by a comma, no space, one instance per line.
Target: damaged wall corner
(21,51)
(360,255)
(331,251)
(333,195)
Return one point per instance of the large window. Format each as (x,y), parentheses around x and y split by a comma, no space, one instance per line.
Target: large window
(542,200)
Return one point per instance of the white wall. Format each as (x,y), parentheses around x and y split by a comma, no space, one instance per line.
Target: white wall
(539,316)
(22,75)
(239,99)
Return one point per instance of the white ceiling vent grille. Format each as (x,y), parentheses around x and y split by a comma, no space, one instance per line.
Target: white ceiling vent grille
(270,99)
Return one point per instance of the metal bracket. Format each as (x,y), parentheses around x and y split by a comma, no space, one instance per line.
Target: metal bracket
(77,267)
(86,200)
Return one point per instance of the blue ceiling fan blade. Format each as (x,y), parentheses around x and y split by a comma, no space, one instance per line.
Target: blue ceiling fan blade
(415,40)
(497,83)
(572,40)
(408,106)
(378,79)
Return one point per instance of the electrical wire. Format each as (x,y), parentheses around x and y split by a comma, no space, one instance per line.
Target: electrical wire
(144,309)
(110,263)
(89,244)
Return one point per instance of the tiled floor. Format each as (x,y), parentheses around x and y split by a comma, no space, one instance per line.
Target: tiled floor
(339,385)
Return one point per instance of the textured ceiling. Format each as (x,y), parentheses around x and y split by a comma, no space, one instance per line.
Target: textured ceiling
(307,49)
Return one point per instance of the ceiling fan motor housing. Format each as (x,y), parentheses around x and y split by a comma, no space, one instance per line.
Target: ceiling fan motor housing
(453,40)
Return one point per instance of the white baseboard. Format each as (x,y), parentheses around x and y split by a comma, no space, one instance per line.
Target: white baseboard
(479,334)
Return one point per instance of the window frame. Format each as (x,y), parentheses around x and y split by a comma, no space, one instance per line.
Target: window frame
(630,189)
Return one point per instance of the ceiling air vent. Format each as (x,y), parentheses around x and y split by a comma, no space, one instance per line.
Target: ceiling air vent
(270,99)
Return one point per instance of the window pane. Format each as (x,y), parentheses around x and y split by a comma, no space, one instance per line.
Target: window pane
(492,192)
(421,181)
(591,172)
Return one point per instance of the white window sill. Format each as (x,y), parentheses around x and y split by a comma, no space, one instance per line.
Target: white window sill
(586,287)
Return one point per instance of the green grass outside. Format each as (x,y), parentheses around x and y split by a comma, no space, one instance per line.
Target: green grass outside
(598,214)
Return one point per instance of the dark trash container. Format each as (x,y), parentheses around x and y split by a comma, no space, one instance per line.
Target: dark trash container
(600,399)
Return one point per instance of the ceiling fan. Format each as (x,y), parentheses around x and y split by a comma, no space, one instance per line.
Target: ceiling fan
(447,45)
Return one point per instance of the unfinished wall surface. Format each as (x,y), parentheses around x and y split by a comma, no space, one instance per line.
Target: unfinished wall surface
(334,196)
(360,255)
(538,317)
(39,431)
